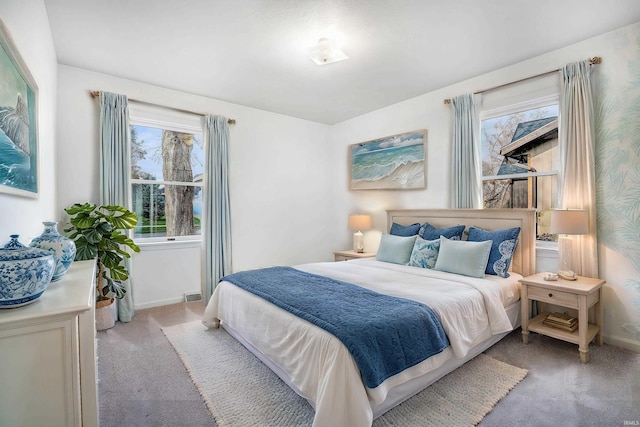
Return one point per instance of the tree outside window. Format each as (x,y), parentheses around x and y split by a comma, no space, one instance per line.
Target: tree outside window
(167,166)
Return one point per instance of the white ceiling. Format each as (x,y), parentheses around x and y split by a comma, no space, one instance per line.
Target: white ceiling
(253,52)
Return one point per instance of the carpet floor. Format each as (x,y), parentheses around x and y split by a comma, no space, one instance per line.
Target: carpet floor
(143,382)
(241,391)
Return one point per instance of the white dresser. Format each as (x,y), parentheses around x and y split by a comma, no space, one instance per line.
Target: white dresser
(48,355)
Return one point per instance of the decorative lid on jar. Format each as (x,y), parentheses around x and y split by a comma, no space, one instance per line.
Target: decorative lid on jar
(14,250)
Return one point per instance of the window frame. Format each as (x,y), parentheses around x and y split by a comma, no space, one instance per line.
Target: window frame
(522,106)
(179,124)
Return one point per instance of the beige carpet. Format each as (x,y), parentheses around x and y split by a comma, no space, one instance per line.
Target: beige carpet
(240,390)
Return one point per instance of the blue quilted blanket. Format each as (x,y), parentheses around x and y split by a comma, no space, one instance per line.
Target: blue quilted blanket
(384,334)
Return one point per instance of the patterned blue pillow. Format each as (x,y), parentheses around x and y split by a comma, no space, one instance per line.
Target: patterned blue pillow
(404,230)
(502,249)
(424,253)
(429,232)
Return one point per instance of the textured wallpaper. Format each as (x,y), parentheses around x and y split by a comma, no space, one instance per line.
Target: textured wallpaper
(617,90)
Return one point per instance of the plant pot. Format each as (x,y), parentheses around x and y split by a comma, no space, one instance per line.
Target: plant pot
(105,314)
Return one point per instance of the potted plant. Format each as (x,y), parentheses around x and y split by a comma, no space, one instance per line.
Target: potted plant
(96,231)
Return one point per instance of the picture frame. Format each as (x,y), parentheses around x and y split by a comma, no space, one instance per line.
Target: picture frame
(18,122)
(396,162)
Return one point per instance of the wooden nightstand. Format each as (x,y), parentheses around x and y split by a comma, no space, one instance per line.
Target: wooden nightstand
(347,255)
(580,294)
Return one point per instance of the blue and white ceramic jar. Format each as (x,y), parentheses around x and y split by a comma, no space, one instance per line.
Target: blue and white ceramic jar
(63,248)
(25,273)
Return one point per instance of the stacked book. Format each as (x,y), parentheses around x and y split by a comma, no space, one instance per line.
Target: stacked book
(561,321)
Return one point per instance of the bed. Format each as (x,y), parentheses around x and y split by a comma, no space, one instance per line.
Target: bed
(475,314)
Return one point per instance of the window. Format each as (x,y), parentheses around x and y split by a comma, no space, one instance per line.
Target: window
(520,161)
(167,166)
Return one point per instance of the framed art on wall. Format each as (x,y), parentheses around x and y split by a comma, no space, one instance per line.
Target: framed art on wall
(18,122)
(396,162)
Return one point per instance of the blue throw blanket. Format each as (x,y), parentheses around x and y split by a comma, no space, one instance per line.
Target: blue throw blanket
(384,334)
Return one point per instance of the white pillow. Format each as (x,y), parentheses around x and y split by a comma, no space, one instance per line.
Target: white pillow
(463,257)
(395,249)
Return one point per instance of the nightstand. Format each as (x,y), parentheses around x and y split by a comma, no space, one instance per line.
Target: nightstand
(580,294)
(347,255)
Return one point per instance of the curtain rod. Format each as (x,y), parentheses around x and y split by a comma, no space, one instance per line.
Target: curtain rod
(592,61)
(96,93)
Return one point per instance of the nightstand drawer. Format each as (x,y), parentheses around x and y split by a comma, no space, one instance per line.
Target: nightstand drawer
(551,296)
(348,255)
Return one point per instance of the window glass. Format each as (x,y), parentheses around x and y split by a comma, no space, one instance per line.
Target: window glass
(520,162)
(167,168)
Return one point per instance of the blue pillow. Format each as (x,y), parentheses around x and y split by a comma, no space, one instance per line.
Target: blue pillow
(502,249)
(424,253)
(463,257)
(404,230)
(429,232)
(395,249)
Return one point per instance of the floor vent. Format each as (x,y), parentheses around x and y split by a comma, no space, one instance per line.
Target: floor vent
(195,296)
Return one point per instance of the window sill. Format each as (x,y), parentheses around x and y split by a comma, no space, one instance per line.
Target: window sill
(546,249)
(166,245)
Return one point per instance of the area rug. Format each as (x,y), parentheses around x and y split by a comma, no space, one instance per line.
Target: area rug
(240,390)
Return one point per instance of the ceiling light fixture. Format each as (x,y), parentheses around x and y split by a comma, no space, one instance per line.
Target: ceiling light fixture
(326,52)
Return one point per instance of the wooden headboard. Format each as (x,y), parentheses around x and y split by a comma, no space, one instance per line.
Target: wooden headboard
(524,259)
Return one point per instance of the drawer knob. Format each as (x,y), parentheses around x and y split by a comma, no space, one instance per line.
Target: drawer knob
(550,294)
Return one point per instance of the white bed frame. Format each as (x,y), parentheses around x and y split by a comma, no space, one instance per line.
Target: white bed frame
(489,219)
(523,263)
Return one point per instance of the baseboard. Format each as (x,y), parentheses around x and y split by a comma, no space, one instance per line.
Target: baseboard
(158,303)
(623,343)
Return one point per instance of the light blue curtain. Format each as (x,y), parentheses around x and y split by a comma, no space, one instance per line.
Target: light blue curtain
(577,160)
(115,134)
(466,188)
(217,227)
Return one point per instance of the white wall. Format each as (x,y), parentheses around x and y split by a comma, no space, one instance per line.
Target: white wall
(162,275)
(279,182)
(29,27)
(424,112)
(621,65)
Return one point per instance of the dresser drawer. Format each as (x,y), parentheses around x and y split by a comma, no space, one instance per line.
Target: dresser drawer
(551,296)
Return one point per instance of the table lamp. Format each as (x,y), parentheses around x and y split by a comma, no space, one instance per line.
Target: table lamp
(568,222)
(358,223)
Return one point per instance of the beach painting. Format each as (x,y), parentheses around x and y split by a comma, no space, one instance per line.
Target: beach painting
(396,162)
(18,134)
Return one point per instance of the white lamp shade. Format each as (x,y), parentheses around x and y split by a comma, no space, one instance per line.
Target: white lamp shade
(359,222)
(569,221)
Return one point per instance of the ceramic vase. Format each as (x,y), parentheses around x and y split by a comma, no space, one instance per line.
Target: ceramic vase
(63,248)
(25,273)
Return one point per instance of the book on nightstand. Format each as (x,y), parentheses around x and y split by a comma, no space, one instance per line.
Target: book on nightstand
(561,321)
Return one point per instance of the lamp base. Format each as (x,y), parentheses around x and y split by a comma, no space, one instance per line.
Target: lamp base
(358,242)
(565,260)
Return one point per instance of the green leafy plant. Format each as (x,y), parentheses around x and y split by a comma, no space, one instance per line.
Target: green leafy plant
(96,232)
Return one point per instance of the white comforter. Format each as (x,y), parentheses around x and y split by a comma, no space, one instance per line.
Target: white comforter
(316,364)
